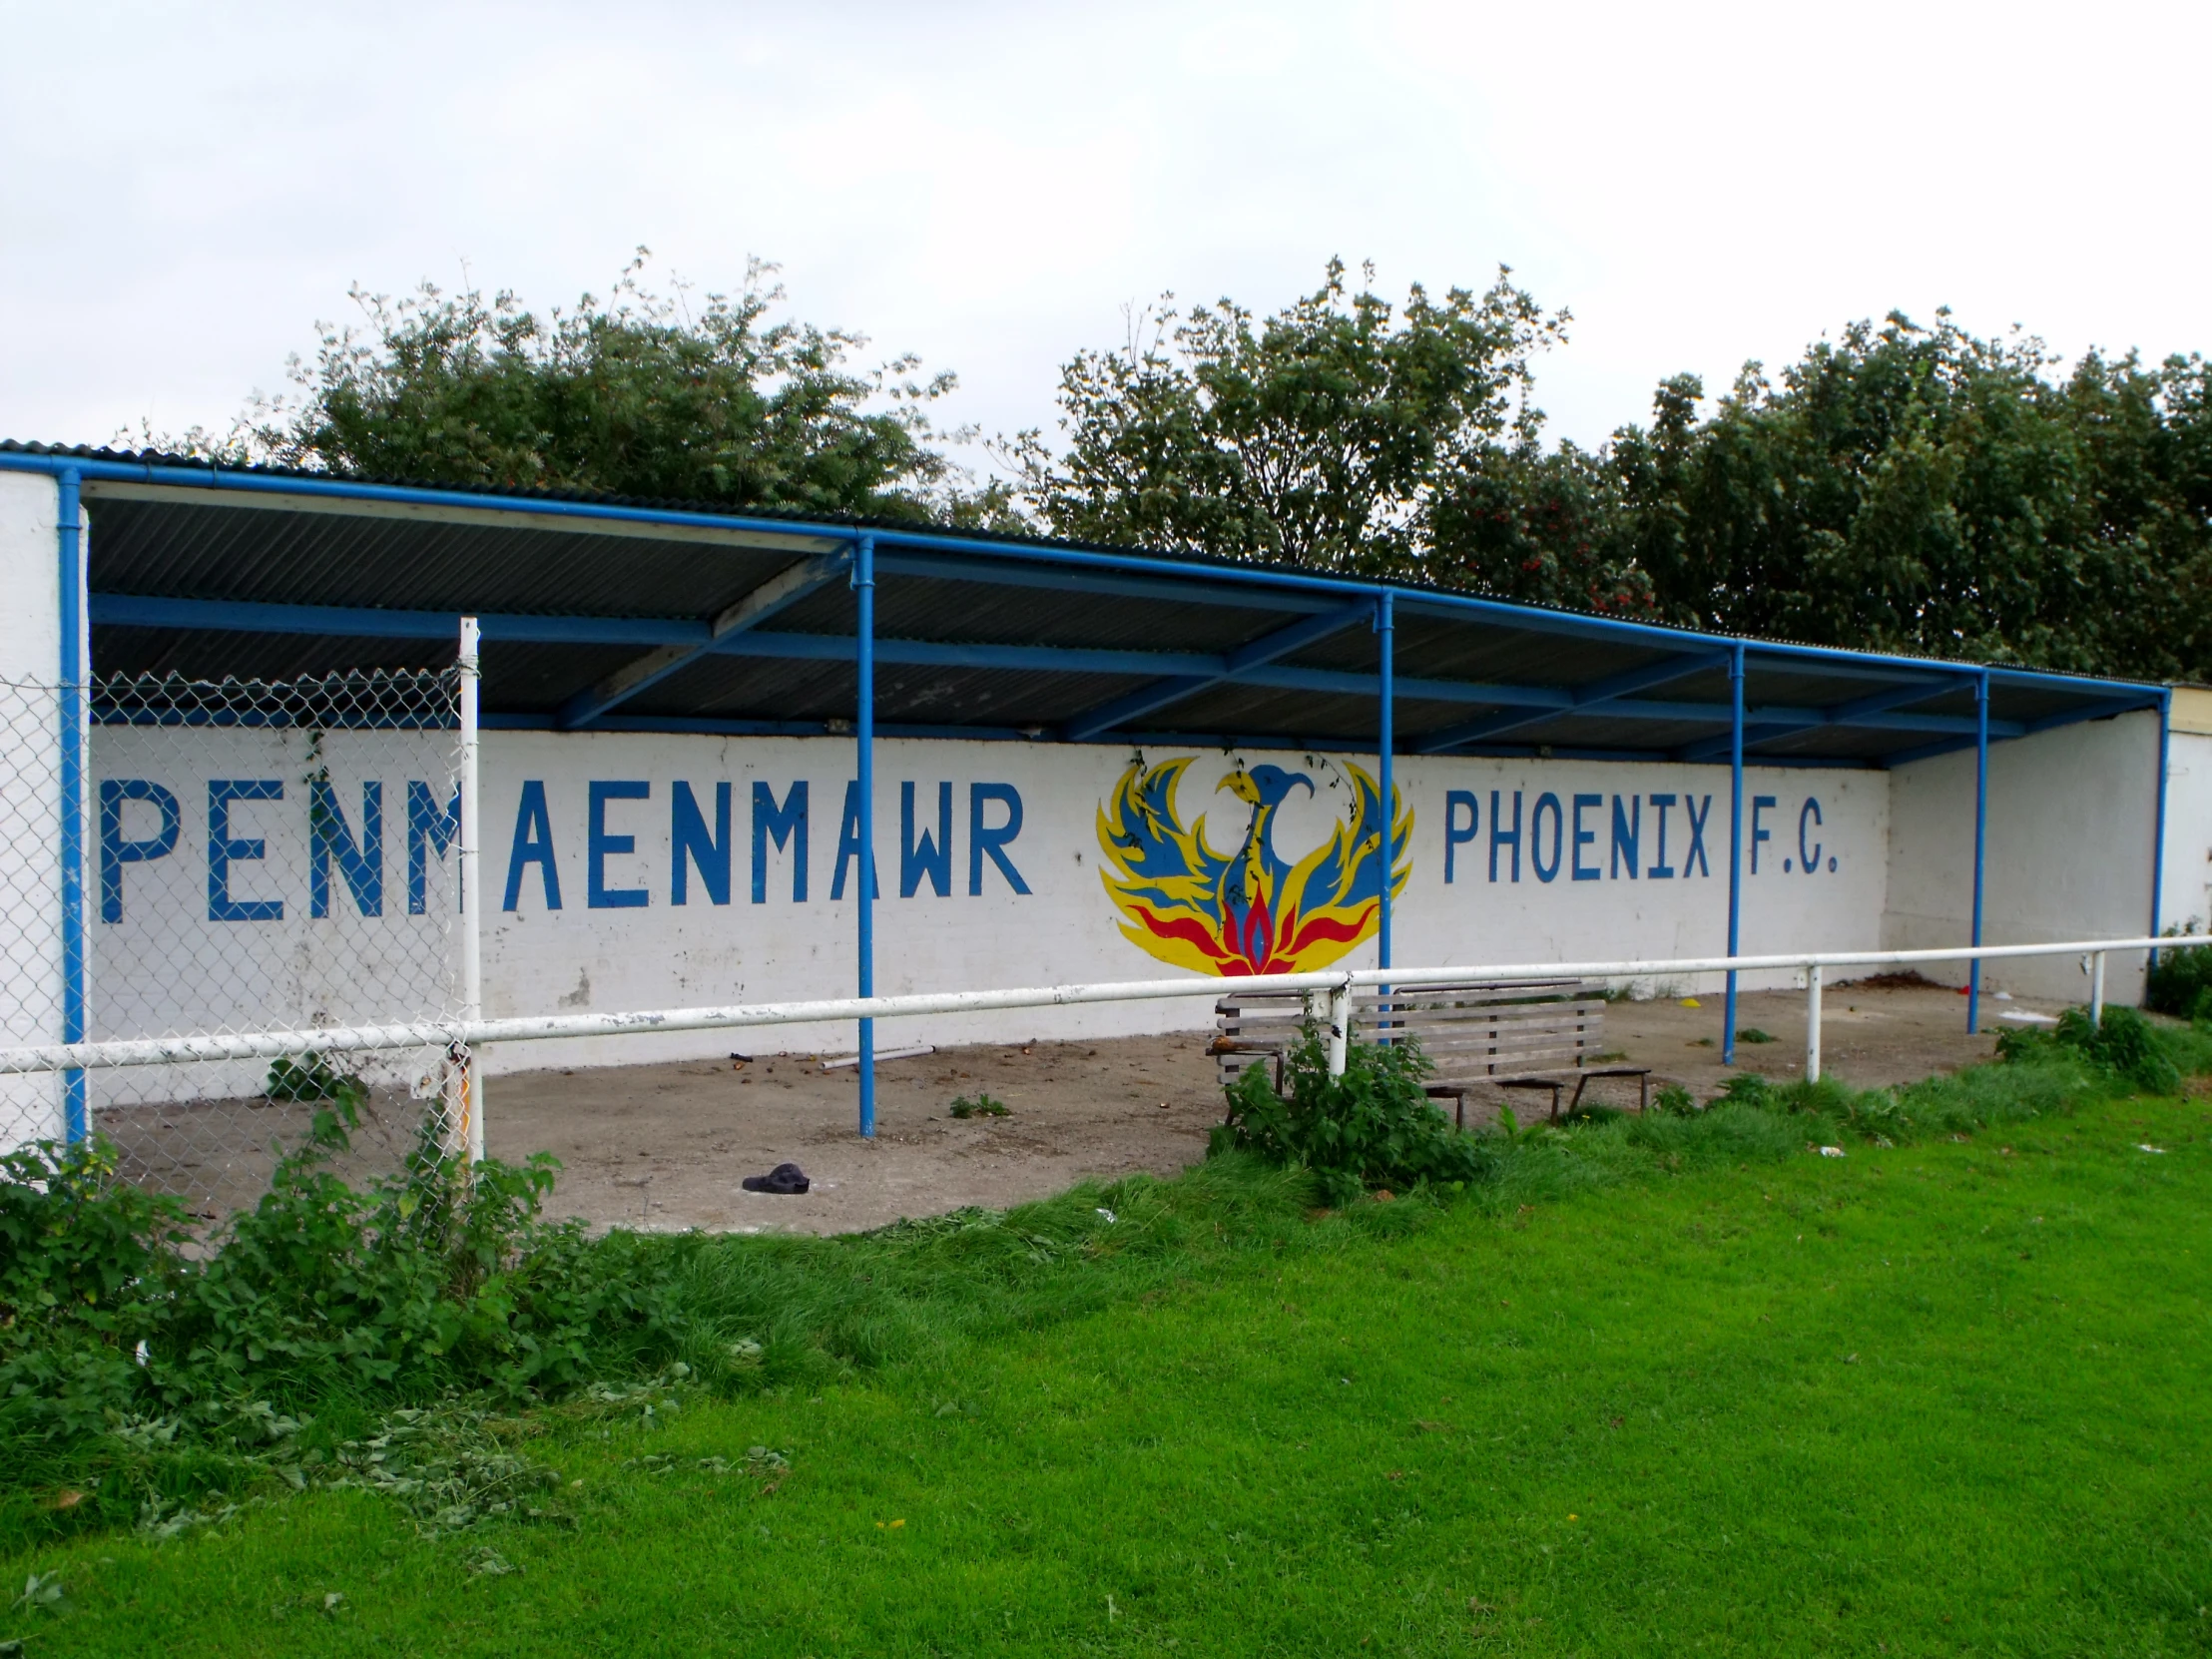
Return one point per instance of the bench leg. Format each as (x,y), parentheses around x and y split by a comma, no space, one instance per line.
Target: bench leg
(1576,1105)
(1555,1102)
(1643,1093)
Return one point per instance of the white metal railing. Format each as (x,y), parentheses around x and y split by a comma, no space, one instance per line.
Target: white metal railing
(1339,982)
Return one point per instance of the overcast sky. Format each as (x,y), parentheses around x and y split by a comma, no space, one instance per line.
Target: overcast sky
(189,189)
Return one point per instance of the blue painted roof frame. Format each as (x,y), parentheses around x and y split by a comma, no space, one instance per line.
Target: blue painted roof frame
(924,552)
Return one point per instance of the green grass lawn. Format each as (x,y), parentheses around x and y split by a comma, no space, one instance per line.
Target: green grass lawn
(1940,1399)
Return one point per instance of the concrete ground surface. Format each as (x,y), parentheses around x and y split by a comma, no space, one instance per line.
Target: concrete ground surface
(666,1146)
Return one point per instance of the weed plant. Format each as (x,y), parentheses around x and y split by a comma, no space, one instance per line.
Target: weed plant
(979,1105)
(2181,983)
(1372,1126)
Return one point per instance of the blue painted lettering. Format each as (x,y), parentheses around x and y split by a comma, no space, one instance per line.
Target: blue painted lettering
(1759,804)
(924,857)
(599,845)
(533,844)
(1808,862)
(1537,837)
(115,852)
(361,863)
(1662,870)
(225,850)
(1628,835)
(1453,834)
(427,828)
(785,825)
(1695,858)
(1505,837)
(1585,838)
(848,846)
(689,844)
(985,843)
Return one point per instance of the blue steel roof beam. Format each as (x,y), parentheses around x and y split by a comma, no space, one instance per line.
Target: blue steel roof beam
(122,610)
(342,622)
(1307,741)
(1163,694)
(1783,719)
(1587,698)
(1052,658)
(129,610)
(772,597)
(1845,714)
(1280,677)
(955,567)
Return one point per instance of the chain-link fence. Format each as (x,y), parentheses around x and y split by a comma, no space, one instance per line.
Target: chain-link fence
(253,856)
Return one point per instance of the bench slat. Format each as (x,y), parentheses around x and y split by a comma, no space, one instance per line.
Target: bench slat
(1495,1010)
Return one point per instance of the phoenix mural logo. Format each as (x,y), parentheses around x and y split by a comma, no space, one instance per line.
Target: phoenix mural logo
(1253,911)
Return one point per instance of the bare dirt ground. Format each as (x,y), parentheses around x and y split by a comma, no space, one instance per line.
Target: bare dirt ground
(666,1146)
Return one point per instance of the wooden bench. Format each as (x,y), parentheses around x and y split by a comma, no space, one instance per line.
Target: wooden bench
(1538,1035)
(1541,1035)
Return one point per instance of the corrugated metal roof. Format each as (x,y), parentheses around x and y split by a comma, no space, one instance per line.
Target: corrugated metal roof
(992,634)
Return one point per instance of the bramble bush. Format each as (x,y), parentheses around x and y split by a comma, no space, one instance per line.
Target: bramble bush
(2125,1046)
(440,1278)
(2181,983)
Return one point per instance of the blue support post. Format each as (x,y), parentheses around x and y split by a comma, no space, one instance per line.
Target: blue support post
(1735,841)
(2158,814)
(75,1118)
(1384,742)
(1980,839)
(863,726)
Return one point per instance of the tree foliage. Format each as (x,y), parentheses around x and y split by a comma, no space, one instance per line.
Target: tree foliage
(639,394)
(1342,434)
(1919,489)
(1903,488)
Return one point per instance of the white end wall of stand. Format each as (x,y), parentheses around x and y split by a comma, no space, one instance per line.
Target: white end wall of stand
(30,656)
(2185,897)
(2069,853)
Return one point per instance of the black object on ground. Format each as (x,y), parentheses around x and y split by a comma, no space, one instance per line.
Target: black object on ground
(789,1179)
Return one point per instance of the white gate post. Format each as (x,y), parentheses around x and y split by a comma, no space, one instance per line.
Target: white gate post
(1813,1023)
(1340,1026)
(36,959)
(2096,988)
(472,892)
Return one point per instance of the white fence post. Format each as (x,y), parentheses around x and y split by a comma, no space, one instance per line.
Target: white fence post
(2096,988)
(1813,1023)
(472,894)
(1340,1026)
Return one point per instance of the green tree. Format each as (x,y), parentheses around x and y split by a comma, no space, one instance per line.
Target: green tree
(1341,433)
(637,394)
(1918,489)
(1546,527)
